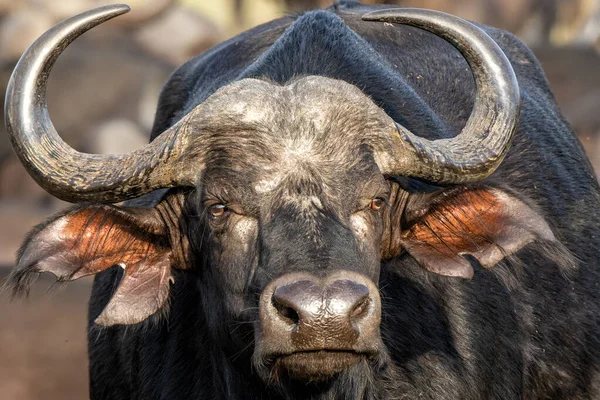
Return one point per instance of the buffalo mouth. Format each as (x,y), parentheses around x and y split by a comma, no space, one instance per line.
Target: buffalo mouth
(317,365)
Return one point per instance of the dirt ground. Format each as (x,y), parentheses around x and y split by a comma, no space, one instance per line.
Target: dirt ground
(43,342)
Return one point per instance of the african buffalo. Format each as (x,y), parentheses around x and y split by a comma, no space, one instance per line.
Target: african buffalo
(351,203)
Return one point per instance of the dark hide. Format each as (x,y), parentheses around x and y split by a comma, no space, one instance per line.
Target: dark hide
(525,325)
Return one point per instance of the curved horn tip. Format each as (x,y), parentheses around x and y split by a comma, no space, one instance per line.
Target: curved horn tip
(107,12)
(124,8)
(115,9)
(382,15)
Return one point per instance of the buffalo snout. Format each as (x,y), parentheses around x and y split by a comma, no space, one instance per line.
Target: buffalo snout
(313,328)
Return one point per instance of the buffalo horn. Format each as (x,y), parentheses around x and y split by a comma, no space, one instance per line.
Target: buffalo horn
(58,168)
(484,141)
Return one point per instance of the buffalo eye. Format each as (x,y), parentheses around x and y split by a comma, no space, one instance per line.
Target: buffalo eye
(376,204)
(217,211)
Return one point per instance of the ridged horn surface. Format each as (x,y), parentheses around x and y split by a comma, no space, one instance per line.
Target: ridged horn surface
(62,171)
(484,141)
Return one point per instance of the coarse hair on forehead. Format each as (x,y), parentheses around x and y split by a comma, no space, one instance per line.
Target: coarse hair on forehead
(313,120)
(306,106)
(312,136)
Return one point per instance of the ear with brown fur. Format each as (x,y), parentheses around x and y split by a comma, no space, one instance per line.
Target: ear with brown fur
(86,241)
(486,223)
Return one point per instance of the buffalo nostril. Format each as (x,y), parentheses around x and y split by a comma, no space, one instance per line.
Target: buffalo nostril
(360,309)
(348,299)
(287,313)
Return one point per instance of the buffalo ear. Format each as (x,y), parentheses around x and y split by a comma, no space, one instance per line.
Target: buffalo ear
(486,223)
(86,241)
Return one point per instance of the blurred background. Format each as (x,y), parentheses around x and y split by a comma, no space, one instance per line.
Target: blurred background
(102,97)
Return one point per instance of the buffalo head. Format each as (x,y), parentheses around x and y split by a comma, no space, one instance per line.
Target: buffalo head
(286,200)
